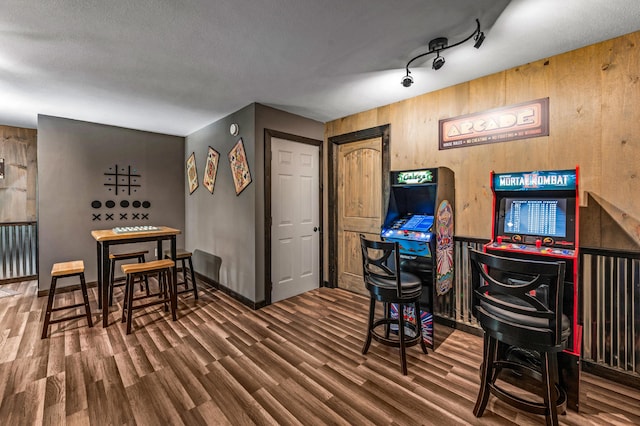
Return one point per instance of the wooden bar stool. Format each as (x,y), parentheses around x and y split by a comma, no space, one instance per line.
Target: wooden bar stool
(65,270)
(184,256)
(166,287)
(115,257)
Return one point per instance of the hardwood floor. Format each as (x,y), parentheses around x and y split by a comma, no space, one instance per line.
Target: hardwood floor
(294,362)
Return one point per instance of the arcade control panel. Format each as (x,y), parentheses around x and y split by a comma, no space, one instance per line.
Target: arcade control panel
(536,248)
(406,234)
(412,227)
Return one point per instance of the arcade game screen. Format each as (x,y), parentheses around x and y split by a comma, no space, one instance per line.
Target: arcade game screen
(543,217)
(419,199)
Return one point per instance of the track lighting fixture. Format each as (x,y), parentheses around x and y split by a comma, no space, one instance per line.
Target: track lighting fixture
(407,80)
(438,62)
(439,44)
(479,38)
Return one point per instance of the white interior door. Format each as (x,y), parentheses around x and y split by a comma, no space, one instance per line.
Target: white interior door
(295,237)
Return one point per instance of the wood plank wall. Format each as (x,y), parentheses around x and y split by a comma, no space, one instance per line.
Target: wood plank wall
(594,102)
(18,188)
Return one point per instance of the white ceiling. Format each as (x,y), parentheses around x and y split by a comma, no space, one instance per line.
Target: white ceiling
(173,66)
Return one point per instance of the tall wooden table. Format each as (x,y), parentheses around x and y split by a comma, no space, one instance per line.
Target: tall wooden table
(107,238)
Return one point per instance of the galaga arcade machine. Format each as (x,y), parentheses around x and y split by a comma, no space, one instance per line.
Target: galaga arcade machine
(420,218)
(535,217)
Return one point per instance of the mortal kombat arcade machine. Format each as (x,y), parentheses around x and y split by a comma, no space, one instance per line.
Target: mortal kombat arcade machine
(420,218)
(535,217)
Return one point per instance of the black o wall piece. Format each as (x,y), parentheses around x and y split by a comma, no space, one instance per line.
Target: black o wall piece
(110,204)
(96,204)
(136,204)
(124,204)
(146,204)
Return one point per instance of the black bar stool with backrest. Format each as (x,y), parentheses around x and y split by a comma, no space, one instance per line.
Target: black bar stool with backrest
(385,284)
(518,303)
(118,257)
(73,268)
(185,256)
(162,269)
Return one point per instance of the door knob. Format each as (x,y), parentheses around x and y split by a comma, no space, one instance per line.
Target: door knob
(316,229)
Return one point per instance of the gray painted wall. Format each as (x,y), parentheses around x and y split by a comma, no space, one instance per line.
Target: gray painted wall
(72,159)
(222,224)
(228,226)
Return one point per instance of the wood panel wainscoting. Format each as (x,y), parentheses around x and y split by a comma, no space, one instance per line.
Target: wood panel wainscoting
(297,361)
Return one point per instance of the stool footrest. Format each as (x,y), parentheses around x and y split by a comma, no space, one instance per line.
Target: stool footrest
(148,304)
(533,407)
(62,308)
(72,317)
(149,296)
(409,340)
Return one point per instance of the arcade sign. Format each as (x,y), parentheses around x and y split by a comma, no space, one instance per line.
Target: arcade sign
(414,177)
(521,121)
(539,181)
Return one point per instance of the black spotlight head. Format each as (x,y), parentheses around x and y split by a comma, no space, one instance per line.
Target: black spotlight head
(407,80)
(479,40)
(438,62)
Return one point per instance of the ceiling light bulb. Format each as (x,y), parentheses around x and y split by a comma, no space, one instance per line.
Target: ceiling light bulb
(407,80)
(438,62)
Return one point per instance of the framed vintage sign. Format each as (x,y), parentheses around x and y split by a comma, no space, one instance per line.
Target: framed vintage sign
(192,174)
(211,169)
(509,123)
(239,167)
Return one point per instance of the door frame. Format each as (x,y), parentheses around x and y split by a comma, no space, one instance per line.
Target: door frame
(383,132)
(268,222)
